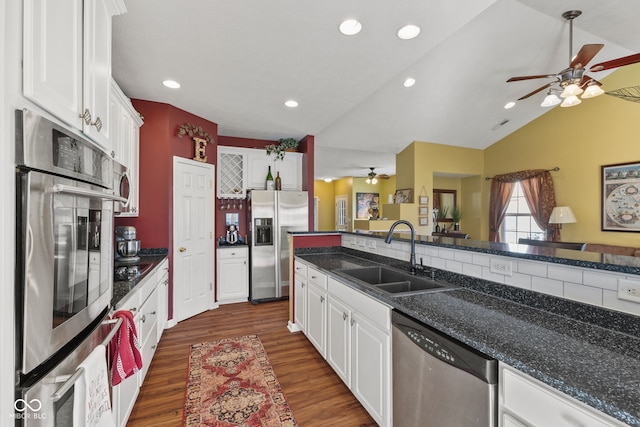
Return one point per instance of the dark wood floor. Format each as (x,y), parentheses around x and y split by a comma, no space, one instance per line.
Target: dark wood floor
(315,393)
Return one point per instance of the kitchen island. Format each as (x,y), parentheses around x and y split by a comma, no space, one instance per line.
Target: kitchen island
(586,352)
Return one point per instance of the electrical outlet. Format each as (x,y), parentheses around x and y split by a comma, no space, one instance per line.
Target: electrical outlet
(500,266)
(629,290)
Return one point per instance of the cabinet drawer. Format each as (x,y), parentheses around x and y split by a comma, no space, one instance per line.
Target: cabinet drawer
(540,405)
(230,253)
(376,312)
(317,277)
(300,268)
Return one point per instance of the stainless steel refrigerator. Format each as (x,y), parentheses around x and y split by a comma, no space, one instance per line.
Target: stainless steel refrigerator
(271,215)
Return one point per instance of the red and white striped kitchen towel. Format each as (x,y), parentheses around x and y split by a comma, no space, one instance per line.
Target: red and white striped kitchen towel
(125,349)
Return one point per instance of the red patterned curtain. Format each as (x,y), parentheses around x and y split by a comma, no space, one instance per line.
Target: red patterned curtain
(537,186)
(500,195)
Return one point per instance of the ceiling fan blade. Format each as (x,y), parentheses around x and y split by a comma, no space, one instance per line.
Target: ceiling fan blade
(536,91)
(538,76)
(614,63)
(586,54)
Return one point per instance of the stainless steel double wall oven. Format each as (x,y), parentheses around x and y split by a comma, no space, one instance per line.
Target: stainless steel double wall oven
(64,258)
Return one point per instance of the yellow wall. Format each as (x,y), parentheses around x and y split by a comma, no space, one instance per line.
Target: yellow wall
(416,164)
(579,140)
(326,207)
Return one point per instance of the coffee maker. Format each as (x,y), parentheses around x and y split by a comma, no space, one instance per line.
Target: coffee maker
(127,246)
(232,234)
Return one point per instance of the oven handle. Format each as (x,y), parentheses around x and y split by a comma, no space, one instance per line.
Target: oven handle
(69,380)
(61,188)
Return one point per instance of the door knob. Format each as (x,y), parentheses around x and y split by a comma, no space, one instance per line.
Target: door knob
(182,249)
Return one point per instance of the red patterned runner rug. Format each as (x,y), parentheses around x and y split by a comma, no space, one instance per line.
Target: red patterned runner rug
(231,383)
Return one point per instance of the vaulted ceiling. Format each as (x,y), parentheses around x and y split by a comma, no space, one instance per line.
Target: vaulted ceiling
(239,61)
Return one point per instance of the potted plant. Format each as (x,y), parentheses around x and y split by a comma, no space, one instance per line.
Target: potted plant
(456,216)
(283,145)
(441,216)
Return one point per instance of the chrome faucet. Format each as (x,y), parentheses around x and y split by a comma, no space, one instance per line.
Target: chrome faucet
(412,259)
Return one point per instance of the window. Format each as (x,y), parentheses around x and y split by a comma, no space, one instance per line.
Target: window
(518,222)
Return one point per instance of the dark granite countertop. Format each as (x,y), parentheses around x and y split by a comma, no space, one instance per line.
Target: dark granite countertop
(587,352)
(122,288)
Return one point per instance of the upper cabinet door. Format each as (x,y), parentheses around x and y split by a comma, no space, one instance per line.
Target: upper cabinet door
(67,61)
(97,69)
(53,57)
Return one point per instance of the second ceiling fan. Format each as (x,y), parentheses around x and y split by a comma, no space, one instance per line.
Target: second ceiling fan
(572,80)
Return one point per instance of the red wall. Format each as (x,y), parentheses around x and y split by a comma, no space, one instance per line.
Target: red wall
(159,142)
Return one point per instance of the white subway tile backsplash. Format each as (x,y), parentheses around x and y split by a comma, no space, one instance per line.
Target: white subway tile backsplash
(601,279)
(453,266)
(487,274)
(438,263)
(586,294)
(518,280)
(481,259)
(547,286)
(431,251)
(532,268)
(597,287)
(463,256)
(446,253)
(472,270)
(564,273)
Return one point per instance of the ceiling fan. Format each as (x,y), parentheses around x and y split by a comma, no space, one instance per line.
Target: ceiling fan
(371,177)
(573,81)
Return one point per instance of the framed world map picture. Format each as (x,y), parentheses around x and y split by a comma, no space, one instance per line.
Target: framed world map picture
(621,197)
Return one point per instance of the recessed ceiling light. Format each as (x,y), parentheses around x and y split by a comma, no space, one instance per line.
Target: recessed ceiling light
(291,103)
(509,105)
(350,27)
(171,84)
(410,81)
(328,180)
(409,32)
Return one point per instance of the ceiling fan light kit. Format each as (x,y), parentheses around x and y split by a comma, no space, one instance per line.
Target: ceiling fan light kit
(573,81)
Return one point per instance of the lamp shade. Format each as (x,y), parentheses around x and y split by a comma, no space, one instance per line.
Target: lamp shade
(562,215)
(592,91)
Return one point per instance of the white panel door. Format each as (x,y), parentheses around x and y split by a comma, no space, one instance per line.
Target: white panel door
(193,219)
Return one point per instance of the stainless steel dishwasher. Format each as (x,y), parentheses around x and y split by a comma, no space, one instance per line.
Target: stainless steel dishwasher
(439,381)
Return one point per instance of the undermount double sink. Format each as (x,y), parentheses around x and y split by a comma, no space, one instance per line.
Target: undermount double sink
(394,281)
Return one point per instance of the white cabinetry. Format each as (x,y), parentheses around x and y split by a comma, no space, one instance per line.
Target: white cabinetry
(290,169)
(232,172)
(233,274)
(143,303)
(317,309)
(339,339)
(527,402)
(300,296)
(125,136)
(162,281)
(67,61)
(352,331)
(242,169)
(360,351)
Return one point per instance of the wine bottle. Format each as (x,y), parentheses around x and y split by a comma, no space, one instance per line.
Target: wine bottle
(269,180)
(278,181)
